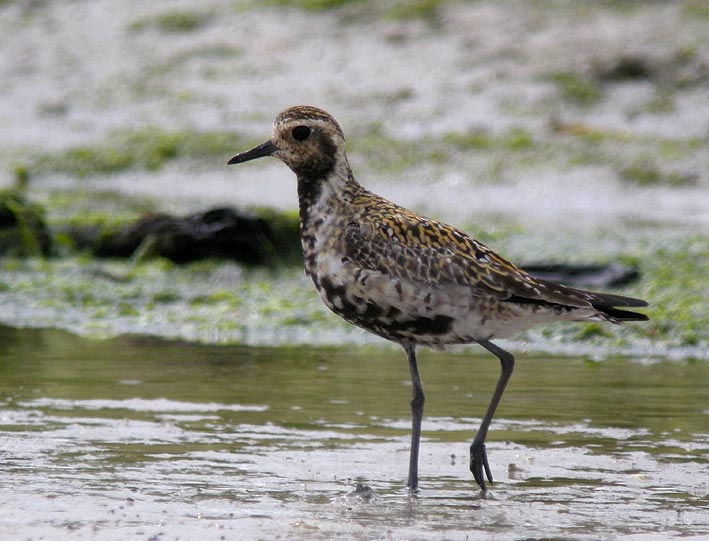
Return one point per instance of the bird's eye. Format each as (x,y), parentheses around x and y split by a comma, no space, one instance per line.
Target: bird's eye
(301,133)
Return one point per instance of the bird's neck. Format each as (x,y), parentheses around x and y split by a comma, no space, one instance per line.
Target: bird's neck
(325,208)
(320,195)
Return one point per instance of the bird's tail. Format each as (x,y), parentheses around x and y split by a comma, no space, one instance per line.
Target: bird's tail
(610,305)
(607,306)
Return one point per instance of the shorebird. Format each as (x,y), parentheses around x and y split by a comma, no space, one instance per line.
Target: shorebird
(410,279)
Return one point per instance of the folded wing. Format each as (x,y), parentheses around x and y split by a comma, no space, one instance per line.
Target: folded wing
(430,254)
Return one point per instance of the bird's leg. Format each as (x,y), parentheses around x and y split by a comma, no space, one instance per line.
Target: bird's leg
(417,400)
(478,454)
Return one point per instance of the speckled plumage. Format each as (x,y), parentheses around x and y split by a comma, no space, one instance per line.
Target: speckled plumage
(408,278)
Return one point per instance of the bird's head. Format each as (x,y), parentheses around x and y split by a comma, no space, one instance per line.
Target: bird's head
(306,139)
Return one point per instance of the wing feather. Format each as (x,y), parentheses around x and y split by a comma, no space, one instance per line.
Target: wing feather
(431,254)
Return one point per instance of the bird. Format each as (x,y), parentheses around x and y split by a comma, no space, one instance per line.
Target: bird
(410,279)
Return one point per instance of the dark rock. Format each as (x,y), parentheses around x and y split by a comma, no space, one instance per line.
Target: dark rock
(684,68)
(220,233)
(593,276)
(627,67)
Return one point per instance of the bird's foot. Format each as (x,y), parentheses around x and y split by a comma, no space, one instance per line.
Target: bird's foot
(478,462)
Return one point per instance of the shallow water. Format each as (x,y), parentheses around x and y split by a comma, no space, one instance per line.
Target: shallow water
(135,437)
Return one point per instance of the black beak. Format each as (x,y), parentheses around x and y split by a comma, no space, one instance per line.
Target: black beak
(265,149)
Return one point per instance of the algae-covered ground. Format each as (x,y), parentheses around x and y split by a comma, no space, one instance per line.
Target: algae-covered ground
(552,131)
(221,302)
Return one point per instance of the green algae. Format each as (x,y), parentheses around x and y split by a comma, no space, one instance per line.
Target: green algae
(417,9)
(662,103)
(561,146)
(221,302)
(428,10)
(23,230)
(514,139)
(645,174)
(635,158)
(516,149)
(147,149)
(386,154)
(677,280)
(695,9)
(577,88)
(315,5)
(172,22)
(80,220)
(76,206)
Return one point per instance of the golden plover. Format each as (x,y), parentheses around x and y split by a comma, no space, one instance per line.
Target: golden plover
(410,279)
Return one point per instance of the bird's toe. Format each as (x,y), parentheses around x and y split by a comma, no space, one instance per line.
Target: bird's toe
(478,463)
